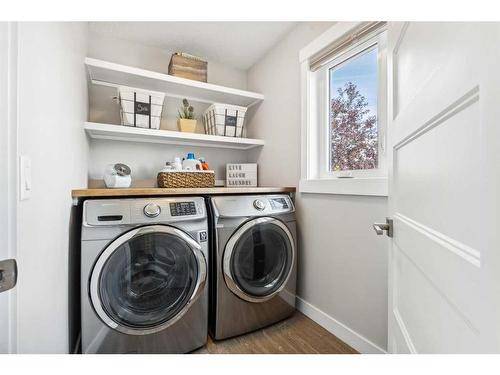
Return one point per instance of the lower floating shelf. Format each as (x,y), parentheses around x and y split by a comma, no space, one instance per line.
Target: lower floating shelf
(131,134)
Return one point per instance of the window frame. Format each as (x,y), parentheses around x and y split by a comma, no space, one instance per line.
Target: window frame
(315,174)
(324,125)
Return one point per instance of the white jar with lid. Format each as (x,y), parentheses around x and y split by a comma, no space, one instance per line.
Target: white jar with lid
(168,167)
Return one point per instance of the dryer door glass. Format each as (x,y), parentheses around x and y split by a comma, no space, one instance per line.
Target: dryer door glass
(261,259)
(148,280)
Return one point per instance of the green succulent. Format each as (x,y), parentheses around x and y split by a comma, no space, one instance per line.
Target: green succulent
(186,111)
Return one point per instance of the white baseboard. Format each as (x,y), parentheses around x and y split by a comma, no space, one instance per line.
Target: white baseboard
(346,334)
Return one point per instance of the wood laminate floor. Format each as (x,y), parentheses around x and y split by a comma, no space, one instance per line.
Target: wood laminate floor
(296,335)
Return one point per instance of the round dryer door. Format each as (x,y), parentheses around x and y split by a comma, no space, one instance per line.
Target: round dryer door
(146,279)
(258,259)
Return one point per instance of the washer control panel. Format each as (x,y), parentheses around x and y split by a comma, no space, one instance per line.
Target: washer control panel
(182,208)
(110,212)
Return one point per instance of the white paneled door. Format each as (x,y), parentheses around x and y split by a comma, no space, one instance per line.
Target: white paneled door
(8,201)
(444,124)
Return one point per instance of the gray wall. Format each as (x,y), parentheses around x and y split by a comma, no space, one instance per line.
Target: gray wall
(52,107)
(342,264)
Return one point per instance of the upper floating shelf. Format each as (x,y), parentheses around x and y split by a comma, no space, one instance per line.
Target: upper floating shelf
(112,74)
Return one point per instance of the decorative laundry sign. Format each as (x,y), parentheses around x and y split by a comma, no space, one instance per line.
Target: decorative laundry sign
(241,174)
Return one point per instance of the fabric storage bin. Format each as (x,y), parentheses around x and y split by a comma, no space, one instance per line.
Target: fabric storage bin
(224,119)
(186,179)
(140,108)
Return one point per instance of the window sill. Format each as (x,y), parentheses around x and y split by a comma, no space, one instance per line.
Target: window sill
(373,186)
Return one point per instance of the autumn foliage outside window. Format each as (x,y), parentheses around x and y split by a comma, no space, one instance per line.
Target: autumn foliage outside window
(353,113)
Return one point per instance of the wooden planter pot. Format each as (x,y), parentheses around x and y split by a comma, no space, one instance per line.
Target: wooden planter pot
(186,125)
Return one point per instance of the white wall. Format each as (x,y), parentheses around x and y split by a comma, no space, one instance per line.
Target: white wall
(8,156)
(342,264)
(153,58)
(145,165)
(146,159)
(52,108)
(4,186)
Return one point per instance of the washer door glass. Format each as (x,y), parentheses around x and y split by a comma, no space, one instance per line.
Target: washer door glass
(261,259)
(147,280)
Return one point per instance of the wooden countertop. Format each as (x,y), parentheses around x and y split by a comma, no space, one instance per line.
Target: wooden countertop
(148,191)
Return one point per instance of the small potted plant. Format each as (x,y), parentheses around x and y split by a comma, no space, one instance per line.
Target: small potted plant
(186,121)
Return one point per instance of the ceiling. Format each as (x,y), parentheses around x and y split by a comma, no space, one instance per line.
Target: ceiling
(237,44)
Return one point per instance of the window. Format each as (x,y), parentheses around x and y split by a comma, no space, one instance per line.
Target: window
(352,106)
(345,114)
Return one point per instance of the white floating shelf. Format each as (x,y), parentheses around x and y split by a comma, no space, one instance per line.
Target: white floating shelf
(131,134)
(111,74)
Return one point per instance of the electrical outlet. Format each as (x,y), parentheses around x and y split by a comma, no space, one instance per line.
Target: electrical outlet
(24,177)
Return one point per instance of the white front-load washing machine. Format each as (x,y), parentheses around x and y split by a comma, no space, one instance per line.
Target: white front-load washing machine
(143,275)
(254,260)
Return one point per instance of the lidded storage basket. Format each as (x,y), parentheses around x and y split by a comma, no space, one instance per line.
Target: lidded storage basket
(224,119)
(188,66)
(140,108)
(182,179)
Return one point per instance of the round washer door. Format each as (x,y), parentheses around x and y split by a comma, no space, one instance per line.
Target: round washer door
(258,259)
(146,279)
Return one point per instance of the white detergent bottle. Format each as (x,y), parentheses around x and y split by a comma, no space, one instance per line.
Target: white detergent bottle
(191,163)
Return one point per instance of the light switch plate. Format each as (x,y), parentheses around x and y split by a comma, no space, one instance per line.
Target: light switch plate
(24,177)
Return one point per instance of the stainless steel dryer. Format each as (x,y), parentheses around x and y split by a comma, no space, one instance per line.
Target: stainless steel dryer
(254,257)
(143,275)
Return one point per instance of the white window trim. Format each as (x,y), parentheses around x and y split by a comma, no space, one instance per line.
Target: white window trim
(312,134)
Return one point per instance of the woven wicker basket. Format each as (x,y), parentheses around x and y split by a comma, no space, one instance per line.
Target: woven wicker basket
(179,179)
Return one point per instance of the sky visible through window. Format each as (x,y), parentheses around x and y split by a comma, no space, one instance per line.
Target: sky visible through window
(353,113)
(361,70)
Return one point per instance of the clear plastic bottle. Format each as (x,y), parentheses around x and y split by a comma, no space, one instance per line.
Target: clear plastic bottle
(177,164)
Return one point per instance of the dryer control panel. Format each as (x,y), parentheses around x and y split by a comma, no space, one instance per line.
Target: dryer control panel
(279,203)
(252,205)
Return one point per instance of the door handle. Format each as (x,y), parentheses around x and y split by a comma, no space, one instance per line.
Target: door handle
(8,274)
(387,227)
